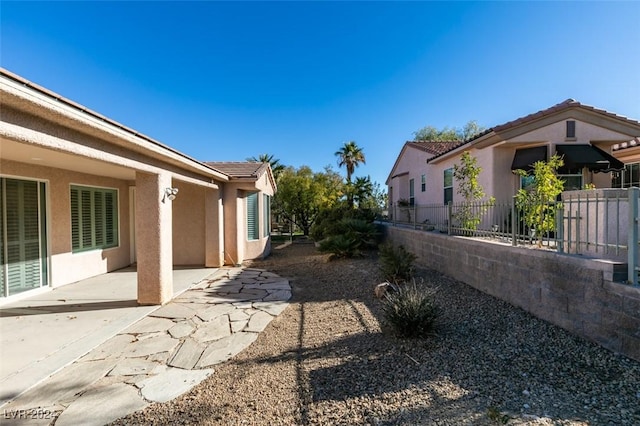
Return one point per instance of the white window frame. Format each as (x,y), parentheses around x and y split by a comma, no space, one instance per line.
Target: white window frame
(115,226)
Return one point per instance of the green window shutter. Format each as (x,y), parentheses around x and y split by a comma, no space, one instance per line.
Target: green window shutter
(94,218)
(252,216)
(266,207)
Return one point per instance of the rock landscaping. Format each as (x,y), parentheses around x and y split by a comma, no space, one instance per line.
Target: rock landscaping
(328,359)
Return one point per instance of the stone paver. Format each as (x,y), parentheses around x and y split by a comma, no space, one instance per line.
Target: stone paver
(173,310)
(165,354)
(108,403)
(181,329)
(171,383)
(188,354)
(258,321)
(223,349)
(150,324)
(215,329)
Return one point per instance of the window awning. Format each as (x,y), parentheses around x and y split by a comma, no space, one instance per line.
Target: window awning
(524,158)
(589,156)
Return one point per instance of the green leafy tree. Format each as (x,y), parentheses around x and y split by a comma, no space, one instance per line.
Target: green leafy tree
(276,167)
(432,134)
(470,212)
(302,194)
(537,202)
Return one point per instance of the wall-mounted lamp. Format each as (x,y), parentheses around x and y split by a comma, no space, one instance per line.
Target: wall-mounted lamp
(170,194)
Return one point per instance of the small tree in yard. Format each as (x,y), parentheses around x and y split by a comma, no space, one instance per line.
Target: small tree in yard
(469,214)
(537,203)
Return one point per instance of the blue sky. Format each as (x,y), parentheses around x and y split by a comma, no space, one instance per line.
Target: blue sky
(223,81)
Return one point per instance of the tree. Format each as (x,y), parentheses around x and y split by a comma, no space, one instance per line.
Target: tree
(537,202)
(276,167)
(432,134)
(302,194)
(350,156)
(469,213)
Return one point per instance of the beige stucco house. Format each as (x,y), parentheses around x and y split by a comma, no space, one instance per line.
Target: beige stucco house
(82,195)
(589,139)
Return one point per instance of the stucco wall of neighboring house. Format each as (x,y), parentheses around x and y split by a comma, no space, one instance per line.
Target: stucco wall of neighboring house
(67,267)
(411,165)
(189,225)
(506,183)
(435,191)
(556,133)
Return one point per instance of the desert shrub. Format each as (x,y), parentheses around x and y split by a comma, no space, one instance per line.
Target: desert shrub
(410,310)
(327,222)
(341,245)
(350,238)
(396,263)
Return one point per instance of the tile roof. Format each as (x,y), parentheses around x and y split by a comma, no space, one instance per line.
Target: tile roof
(237,169)
(569,103)
(435,147)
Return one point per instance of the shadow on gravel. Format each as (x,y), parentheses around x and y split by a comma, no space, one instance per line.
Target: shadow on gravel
(488,364)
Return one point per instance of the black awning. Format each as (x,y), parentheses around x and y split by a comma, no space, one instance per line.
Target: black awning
(524,158)
(589,156)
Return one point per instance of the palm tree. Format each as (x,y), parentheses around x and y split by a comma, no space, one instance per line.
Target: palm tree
(362,189)
(350,156)
(276,167)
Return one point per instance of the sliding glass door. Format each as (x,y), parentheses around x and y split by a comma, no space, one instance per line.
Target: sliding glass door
(23,245)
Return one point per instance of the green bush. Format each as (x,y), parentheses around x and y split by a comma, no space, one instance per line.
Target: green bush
(350,238)
(410,310)
(396,263)
(341,246)
(327,222)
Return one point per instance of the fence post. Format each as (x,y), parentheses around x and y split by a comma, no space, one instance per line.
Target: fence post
(632,243)
(560,227)
(450,214)
(414,216)
(514,232)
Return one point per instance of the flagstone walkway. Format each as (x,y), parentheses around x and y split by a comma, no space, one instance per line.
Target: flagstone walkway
(161,356)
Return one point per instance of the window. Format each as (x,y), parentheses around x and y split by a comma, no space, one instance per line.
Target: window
(448,186)
(423,183)
(571,182)
(252,217)
(628,177)
(412,194)
(94,218)
(571,129)
(266,210)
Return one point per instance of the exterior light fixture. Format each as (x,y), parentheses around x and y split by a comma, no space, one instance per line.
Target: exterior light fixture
(169,194)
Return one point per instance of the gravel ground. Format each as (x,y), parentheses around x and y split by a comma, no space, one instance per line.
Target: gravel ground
(327,360)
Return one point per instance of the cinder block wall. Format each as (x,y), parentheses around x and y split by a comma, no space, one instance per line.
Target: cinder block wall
(573,292)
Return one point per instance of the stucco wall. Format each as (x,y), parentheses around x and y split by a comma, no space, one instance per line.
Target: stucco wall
(188,225)
(557,132)
(573,292)
(68,267)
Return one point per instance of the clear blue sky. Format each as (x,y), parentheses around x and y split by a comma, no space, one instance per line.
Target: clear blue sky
(223,81)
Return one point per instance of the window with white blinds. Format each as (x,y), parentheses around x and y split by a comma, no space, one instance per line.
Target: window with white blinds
(94,218)
(252,217)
